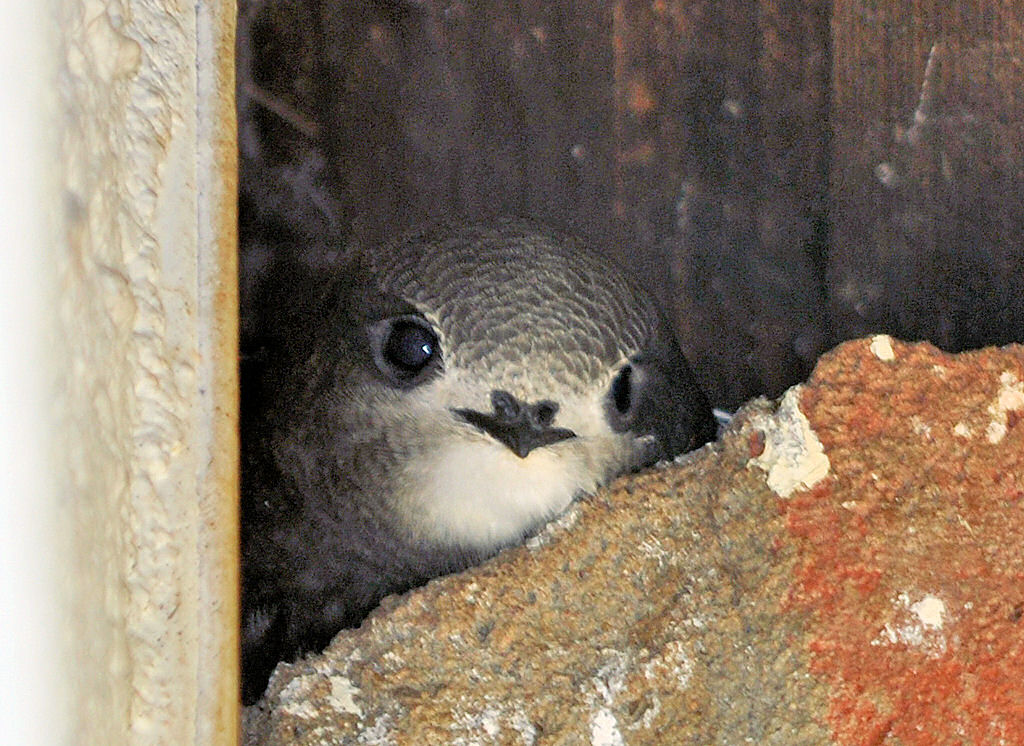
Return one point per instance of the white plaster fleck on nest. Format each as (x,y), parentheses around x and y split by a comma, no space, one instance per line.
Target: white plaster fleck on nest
(920,427)
(921,625)
(793,456)
(963,430)
(296,697)
(476,728)
(604,729)
(381,733)
(930,611)
(484,726)
(647,720)
(343,693)
(394,661)
(881,347)
(1010,398)
(522,724)
(611,677)
(608,683)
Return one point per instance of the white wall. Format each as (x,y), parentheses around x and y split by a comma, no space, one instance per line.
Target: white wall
(118,454)
(32,697)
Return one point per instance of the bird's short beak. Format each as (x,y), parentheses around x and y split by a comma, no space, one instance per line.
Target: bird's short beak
(518,425)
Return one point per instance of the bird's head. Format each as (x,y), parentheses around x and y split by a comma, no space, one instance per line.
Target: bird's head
(507,370)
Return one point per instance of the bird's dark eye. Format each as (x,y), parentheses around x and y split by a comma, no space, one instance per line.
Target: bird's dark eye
(409,347)
(622,390)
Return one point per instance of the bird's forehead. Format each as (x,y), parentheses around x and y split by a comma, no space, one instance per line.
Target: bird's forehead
(510,302)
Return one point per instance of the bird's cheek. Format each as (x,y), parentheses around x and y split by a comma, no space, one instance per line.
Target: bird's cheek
(613,454)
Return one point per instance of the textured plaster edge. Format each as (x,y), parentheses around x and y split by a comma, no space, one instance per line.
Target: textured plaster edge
(190,651)
(148,400)
(881,347)
(1009,399)
(793,458)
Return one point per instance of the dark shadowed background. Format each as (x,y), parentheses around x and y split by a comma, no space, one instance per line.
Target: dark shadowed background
(783,175)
